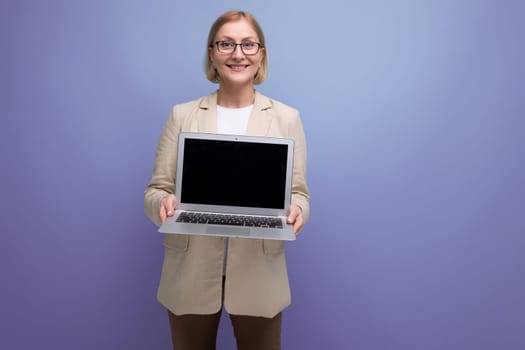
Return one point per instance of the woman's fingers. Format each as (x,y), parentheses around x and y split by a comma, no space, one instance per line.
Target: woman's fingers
(295,218)
(167,207)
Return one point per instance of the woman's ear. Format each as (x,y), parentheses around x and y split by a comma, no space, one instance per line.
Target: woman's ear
(210,54)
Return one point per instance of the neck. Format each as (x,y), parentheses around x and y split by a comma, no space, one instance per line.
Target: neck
(235,98)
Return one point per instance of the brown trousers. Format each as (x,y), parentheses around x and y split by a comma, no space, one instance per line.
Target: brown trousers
(199,332)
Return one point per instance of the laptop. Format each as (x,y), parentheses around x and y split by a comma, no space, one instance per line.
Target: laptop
(232,186)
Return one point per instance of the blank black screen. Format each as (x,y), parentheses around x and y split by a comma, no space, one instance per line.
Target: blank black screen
(242,174)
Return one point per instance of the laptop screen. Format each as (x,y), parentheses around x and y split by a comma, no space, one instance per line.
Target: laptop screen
(234,173)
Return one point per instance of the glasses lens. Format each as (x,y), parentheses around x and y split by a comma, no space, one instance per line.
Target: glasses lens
(249,47)
(226,46)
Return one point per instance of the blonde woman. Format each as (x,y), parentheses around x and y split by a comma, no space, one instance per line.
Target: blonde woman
(202,274)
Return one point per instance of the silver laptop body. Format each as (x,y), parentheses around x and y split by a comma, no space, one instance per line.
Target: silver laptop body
(232,186)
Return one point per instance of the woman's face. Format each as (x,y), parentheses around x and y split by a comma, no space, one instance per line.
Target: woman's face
(236,69)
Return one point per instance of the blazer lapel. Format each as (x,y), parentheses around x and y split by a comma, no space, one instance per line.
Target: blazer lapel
(260,119)
(207,114)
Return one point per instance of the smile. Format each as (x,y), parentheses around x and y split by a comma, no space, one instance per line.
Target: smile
(237,67)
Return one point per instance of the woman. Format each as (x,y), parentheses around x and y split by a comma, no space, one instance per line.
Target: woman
(200,273)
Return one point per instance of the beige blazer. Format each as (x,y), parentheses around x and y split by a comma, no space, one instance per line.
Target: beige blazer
(256,282)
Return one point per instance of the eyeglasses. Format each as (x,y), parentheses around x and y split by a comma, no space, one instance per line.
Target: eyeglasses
(248,48)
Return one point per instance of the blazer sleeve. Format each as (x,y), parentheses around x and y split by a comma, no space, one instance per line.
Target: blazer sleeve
(162,180)
(300,192)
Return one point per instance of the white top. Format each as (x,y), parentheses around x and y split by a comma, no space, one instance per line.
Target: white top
(233,121)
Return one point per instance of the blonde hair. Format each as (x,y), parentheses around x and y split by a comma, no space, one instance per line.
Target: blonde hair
(232,16)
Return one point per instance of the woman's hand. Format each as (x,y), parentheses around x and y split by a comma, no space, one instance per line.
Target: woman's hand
(167,207)
(295,218)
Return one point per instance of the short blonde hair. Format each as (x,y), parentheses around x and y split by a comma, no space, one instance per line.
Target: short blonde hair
(232,16)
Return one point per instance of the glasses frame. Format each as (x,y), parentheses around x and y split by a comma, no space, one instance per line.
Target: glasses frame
(259,46)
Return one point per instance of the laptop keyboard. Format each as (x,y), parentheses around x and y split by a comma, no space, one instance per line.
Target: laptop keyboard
(230,219)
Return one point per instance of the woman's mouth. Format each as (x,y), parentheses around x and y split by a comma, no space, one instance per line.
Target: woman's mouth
(237,67)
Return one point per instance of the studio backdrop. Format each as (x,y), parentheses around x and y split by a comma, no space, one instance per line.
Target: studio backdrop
(413,113)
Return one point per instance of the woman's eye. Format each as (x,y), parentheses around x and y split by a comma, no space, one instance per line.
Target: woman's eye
(227,44)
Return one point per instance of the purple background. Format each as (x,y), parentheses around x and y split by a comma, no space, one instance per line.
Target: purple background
(414,114)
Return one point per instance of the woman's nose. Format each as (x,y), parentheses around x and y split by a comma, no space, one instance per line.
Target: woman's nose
(237,52)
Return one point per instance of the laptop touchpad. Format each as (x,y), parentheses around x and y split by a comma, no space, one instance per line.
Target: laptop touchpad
(221,230)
